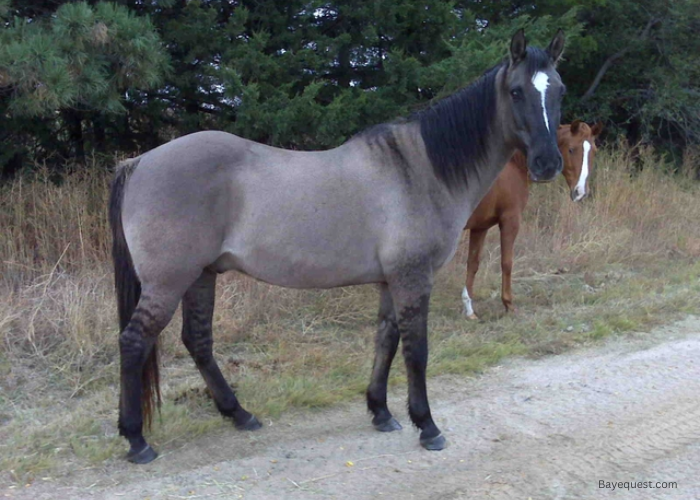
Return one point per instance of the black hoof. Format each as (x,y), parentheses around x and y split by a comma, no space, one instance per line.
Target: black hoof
(144,456)
(252,424)
(388,425)
(434,443)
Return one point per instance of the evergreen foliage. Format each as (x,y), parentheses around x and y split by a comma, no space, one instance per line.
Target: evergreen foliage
(83,77)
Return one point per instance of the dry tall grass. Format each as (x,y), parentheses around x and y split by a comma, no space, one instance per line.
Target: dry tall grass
(633,217)
(581,271)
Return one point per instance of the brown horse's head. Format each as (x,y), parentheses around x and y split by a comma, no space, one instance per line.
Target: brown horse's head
(577,146)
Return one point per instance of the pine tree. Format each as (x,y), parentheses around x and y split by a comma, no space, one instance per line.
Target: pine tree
(307,74)
(71,71)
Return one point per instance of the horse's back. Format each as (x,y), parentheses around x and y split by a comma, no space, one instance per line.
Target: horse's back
(299,219)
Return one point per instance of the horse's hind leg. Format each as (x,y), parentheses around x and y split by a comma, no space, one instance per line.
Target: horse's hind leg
(197,312)
(386,343)
(139,372)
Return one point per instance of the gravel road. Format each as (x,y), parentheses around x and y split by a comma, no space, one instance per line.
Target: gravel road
(553,428)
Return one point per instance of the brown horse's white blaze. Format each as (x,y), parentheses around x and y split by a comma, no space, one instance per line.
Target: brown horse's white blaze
(580,191)
(504,204)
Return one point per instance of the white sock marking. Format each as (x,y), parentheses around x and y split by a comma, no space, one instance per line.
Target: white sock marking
(541,82)
(581,185)
(468,311)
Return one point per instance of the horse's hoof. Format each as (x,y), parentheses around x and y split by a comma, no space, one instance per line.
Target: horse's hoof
(435,443)
(388,425)
(472,316)
(510,308)
(144,456)
(253,424)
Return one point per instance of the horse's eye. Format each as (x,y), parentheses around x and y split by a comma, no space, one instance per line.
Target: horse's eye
(517,94)
(571,151)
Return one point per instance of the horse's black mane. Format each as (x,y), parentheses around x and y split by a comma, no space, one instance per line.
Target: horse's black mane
(455,129)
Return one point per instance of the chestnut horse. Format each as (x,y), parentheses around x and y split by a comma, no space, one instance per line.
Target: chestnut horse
(505,202)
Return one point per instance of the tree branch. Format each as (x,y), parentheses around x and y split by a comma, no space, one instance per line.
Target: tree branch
(617,55)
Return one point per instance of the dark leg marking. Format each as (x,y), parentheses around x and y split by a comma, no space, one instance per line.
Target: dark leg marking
(135,344)
(385,346)
(413,328)
(197,314)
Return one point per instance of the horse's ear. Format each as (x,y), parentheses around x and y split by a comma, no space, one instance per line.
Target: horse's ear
(556,46)
(518,47)
(597,129)
(575,126)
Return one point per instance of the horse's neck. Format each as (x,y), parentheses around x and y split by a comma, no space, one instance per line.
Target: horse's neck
(500,149)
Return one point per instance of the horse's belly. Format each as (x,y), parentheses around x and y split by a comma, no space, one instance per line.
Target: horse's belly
(311,264)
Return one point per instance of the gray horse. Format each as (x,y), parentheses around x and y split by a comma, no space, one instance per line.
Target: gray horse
(386,207)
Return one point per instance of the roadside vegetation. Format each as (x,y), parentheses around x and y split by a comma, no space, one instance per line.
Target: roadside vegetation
(622,261)
(81,82)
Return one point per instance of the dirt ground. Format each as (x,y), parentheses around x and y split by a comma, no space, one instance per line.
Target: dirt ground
(552,428)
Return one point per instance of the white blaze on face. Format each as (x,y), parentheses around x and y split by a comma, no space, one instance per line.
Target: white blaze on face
(541,82)
(580,189)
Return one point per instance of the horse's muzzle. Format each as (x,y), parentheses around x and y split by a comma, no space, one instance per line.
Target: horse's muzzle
(544,168)
(578,194)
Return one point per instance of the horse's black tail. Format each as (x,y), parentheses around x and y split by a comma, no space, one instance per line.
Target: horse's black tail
(128,288)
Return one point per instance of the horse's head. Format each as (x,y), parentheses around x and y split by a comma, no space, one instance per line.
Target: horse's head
(577,146)
(530,95)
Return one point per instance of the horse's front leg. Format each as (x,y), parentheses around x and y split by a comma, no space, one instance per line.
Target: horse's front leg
(411,296)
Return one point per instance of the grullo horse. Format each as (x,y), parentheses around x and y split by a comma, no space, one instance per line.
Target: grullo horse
(386,207)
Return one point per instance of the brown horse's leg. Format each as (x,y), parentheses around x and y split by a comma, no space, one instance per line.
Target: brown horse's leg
(509,231)
(385,345)
(197,313)
(477,237)
(136,342)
